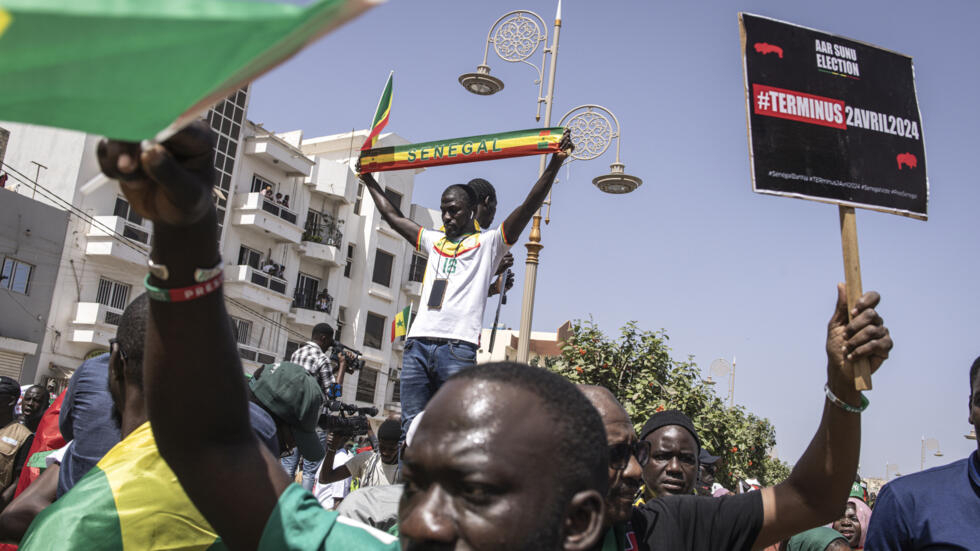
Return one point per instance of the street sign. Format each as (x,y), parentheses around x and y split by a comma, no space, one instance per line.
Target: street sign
(832,119)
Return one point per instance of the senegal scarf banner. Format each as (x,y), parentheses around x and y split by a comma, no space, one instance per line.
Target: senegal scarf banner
(127,69)
(129,500)
(534,141)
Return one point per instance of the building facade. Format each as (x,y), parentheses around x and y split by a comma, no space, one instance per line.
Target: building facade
(32,236)
(301,244)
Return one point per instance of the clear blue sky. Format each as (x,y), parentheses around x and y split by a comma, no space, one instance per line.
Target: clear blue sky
(725,271)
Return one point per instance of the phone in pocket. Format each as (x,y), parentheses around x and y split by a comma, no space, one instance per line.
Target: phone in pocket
(438,293)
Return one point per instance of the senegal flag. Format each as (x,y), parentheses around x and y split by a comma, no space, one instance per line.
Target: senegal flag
(127,69)
(399,325)
(129,500)
(380,115)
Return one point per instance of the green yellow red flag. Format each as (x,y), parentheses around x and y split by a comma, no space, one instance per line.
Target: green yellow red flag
(128,69)
(380,115)
(399,325)
(534,141)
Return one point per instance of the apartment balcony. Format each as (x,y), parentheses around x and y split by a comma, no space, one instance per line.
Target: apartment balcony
(309,311)
(253,357)
(277,151)
(254,212)
(257,288)
(105,246)
(94,323)
(320,253)
(412,289)
(333,179)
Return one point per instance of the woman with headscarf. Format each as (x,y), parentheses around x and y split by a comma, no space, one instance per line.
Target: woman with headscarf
(854,524)
(817,539)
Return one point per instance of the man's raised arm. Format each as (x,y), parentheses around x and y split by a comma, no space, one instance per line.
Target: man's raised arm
(405,227)
(515,223)
(816,491)
(195,390)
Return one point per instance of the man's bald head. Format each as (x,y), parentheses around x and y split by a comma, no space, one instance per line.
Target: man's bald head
(624,482)
(605,403)
(504,439)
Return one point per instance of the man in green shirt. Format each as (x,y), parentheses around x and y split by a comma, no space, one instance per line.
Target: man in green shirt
(515,468)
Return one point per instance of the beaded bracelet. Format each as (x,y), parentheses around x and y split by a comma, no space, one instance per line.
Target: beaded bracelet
(844,405)
(183,294)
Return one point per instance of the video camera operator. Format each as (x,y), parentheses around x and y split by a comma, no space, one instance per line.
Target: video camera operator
(321,358)
(375,468)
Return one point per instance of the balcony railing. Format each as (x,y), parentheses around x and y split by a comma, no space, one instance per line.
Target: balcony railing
(136,233)
(327,232)
(271,207)
(112,317)
(318,303)
(270,282)
(253,354)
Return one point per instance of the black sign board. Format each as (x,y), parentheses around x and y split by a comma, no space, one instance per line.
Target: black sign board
(832,119)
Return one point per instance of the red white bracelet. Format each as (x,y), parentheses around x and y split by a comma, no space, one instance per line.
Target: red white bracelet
(183,294)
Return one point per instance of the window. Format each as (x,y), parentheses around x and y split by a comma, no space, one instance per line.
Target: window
(134,222)
(312,223)
(394,197)
(225,118)
(374,330)
(396,388)
(382,268)
(416,272)
(243,330)
(360,199)
(291,346)
(249,257)
(259,183)
(341,322)
(113,293)
(366,383)
(16,275)
(350,260)
(123,210)
(306,291)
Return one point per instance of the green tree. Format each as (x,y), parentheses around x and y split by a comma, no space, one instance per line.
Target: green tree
(639,370)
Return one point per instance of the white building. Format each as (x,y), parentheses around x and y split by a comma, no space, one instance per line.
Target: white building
(329,237)
(543,345)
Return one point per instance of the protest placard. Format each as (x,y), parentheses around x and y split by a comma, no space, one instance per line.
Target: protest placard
(837,120)
(832,119)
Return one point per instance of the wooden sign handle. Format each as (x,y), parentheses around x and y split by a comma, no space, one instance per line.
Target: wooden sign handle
(852,277)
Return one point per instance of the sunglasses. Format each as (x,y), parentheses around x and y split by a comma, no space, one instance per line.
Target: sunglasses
(619,454)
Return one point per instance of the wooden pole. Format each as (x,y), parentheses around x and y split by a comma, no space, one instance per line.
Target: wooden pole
(852,278)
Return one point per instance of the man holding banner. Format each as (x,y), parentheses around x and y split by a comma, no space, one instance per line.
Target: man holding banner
(462,261)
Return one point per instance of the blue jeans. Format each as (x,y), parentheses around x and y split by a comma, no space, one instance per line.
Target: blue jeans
(426,364)
(290,462)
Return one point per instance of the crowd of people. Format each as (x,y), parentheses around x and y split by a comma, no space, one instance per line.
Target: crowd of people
(277,198)
(163,443)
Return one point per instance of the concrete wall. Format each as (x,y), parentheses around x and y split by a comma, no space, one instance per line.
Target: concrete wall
(34,233)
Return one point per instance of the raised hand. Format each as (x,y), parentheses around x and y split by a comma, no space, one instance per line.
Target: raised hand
(168,183)
(565,146)
(863,336)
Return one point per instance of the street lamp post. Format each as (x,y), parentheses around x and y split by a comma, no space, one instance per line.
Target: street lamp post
(515,37)
(929,444)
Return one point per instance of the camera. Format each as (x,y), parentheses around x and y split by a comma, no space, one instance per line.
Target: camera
(352,420)
(352,364)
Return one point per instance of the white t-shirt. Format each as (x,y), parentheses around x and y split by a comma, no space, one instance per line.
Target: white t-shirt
(372,471)
(327,493)
(468,266)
